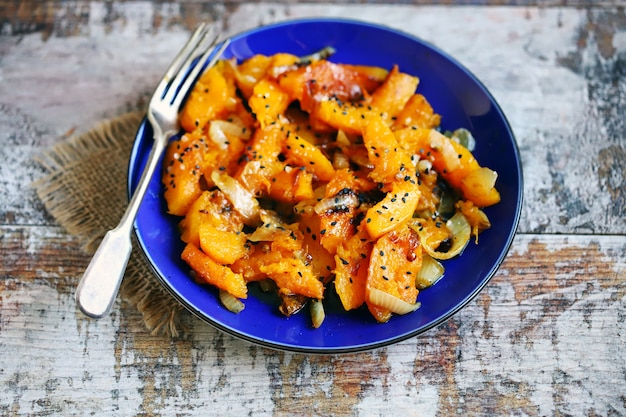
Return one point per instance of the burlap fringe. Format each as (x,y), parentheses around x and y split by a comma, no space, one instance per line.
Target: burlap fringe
(84,171)
(85,191)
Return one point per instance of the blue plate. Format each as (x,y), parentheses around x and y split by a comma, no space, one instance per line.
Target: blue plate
(454,93)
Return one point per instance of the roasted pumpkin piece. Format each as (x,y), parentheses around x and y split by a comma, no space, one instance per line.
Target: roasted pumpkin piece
(213,97)
(322,79)
(190,225)
(394,210)
(390,161)
(303,153)
(391,97)
(242,116)
(370,77)
(249,265)
(335,227)
(271,242)
(258,67)
(266,143)
(183,162)
(268,101)
(282,62)
(211,207)
(395,260)
(460,169)
(357,156)
(449,158)
(211,272)
(412,139)
(250,71)
(346,181)
(352,262)
(291,273)
(351,117)
(479,187)
(321,260)
(291,185)
(300,124)
(431,189)
(417,112)
(454,163)
(221,243)
(259,162)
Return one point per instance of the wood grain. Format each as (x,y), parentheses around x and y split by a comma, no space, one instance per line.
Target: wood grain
(54,18)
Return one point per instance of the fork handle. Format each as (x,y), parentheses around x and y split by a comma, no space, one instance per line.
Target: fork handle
(102,278)
(101,281)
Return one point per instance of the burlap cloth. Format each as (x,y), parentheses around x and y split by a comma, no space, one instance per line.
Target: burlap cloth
(84,189)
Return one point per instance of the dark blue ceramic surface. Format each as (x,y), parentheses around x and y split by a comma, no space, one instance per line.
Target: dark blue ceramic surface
(454,93)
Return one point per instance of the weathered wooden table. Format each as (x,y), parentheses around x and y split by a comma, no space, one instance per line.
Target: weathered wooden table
(545,337)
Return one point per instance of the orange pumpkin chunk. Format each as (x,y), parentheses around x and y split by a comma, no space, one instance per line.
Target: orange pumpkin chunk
(352,261)
(182,172)
(308,84)
(291,185)
(211,272)
(212,97)
(305,154)
(394,210)
(349,117)
(390,161)
(395,260)
(293,275)
(455,164)
(322,261)
(394,93)
(418,113)
(212,208)
(268,101)
(231,246)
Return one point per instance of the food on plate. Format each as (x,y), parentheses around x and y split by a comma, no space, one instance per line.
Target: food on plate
(316,179)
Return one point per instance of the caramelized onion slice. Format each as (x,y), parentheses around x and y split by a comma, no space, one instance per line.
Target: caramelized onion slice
(232,303)
(242,199)
(460,230)
(391,302)
(220,130)
(271,229)
(429,273)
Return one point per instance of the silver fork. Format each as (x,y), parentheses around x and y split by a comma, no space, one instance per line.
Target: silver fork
(100,283)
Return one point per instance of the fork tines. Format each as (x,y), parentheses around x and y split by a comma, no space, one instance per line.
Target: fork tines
(201,46)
